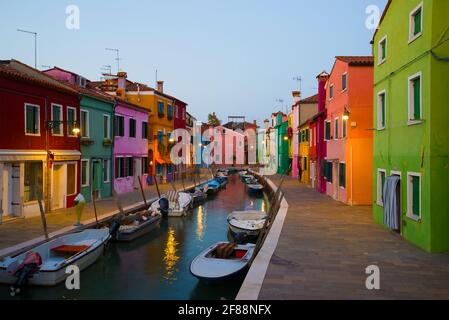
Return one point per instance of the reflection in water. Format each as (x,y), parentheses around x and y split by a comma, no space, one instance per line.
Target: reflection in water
(201,223)
(170,256)
(263,207)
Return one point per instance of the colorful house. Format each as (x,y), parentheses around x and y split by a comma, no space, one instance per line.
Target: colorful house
(280,126)
(348,130)
(40,146)
(295,141)
(321,144)
(304,152)
(130,146)
(96,115)
(312,151)
(180,122)
(411,81)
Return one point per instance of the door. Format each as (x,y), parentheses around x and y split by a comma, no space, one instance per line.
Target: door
(97,176)
(15,196)
(57,198)
(335,176)
(312,173)
(137,171)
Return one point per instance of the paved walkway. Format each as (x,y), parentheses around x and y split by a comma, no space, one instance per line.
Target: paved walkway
(20,230)
(325,247)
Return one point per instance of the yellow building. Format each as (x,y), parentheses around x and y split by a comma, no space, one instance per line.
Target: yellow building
(160,122)
(304,152)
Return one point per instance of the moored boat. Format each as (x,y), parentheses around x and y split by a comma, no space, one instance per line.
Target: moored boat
(45,264)
(173,204)
(198,196)
(249,223)
(254,188)
(222,261)
(136,225)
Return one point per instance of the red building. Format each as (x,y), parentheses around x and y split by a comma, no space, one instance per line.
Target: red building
(180,122)
(39,144)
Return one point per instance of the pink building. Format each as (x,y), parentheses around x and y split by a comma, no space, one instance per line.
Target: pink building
(130,146)
(295,125)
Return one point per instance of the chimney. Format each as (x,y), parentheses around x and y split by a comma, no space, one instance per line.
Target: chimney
(160,86)
(255,122)
(322,80)
(121,84)
(296,96)
(266,123)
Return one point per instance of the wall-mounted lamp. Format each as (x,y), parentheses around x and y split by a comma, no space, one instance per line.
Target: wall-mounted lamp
(346,114)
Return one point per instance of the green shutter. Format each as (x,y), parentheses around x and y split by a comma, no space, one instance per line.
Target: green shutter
(343,85)
(417,22)
(382,181)
(345,124)
(383,110)
(336,129)
(328,130)
(384,47)
(307,134)
(417,99)
(416,195)
(329,171)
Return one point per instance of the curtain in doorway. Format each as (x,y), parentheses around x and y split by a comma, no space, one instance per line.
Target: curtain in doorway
(392,210)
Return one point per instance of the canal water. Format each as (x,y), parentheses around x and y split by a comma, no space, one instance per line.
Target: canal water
(156,266)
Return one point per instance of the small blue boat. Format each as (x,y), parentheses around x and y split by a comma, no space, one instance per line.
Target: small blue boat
(211,187)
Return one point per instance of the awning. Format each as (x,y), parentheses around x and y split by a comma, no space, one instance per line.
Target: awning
(66,155)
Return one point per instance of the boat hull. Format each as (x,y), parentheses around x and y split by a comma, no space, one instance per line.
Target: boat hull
(128,235)
(52,278)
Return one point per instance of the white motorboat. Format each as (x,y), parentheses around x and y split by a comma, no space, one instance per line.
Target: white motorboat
(249,223)
(255,188)
(212,266)
(45,264)
(178,204)
(137,225)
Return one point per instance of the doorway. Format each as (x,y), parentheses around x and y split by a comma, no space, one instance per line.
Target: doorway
(137,171)
(97,178)
(398,200)
(335,176)
(58,187)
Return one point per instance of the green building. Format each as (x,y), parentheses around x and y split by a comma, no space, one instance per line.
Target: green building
(411,137)
(280,124)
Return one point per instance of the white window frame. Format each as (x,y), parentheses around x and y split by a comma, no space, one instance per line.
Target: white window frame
(410,214)
(87,124)
(331,90)
(107,167)
(124,133)
(411,23)
(379,50)
(411,99)
(346,174)
(135,128)
(61,119)
(379,199)
(344,89)
(38,121)
(109,125)
(87,184)
(124,166)
(76,175)
(330,126)
(70,134)
(336,128)
(379,110)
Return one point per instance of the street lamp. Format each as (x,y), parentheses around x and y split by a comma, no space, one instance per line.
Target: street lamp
(346,114)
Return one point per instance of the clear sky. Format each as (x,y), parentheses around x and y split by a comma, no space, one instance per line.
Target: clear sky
(234,57)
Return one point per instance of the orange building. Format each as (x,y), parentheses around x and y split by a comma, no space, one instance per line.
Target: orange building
(348,130)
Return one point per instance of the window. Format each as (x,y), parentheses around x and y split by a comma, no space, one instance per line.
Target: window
(144,165)
(331,91)
(342,175)
(144,130)
(382,50)
(169,111)
(176,112)
(381,177)
(304,163)
(84,173)
(160,136)
(183,114)
(414,195)
(328,171)
(106,126)
(33,182)
(106,170)
(307,135)
(32,120)
(132,128)
(344,82)
(71,179)
(381,110)
(84,124)
(160,108)
(415,23)
(327,130)
(336,129)
(119,126)
(129,167)
(414,98)
(119,168)
(56,115)
(345,128)
(71,121)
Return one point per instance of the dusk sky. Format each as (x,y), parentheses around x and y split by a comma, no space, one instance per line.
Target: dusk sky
(233,57)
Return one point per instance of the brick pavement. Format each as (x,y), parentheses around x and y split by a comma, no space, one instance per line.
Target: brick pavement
(325,247)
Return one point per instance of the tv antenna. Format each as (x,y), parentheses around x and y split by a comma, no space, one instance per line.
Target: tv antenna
(117,51)
(298,79)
